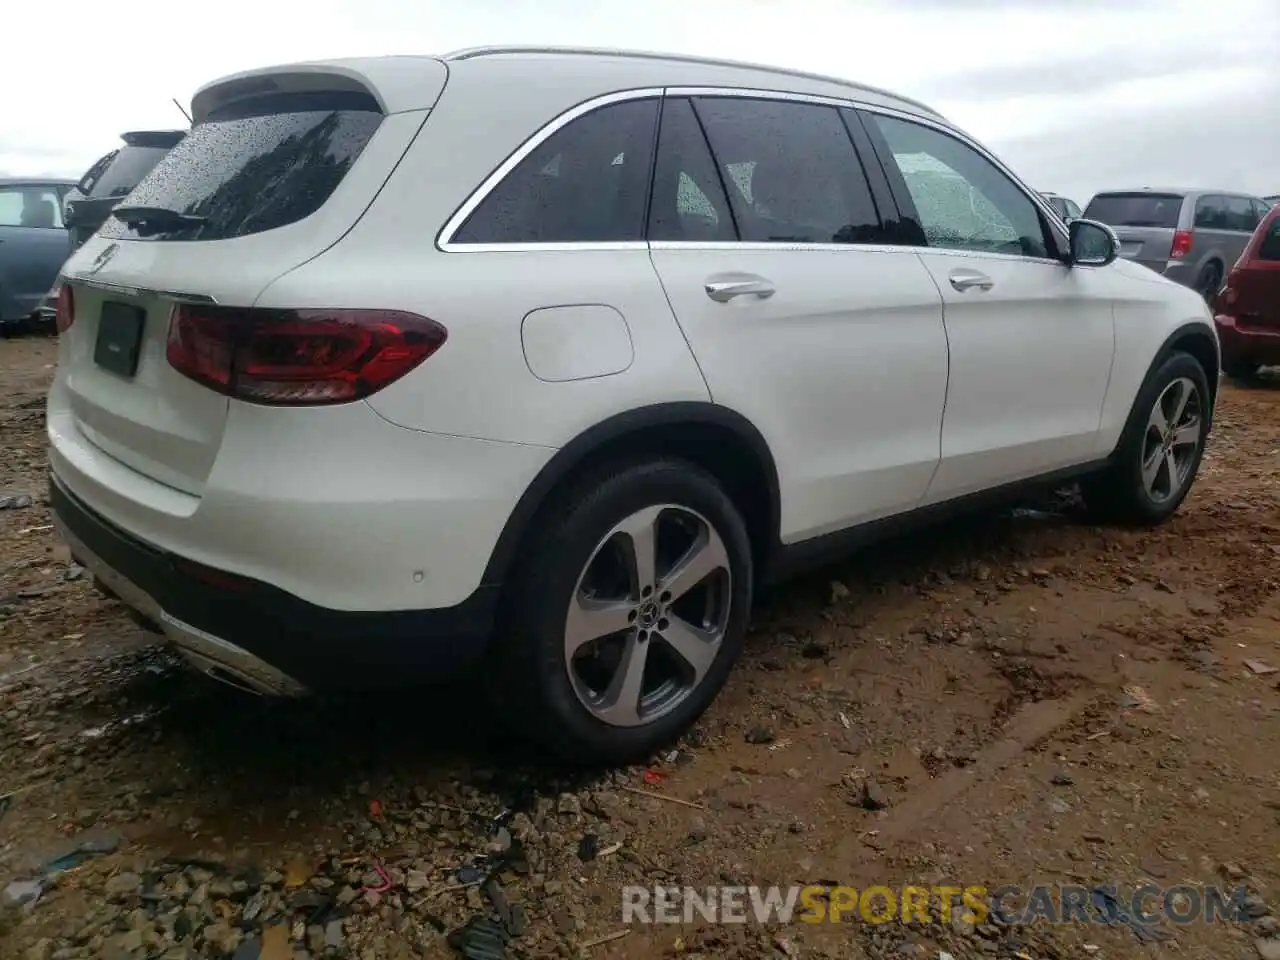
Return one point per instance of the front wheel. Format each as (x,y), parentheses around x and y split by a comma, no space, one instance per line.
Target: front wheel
(1159,452)
(628,613)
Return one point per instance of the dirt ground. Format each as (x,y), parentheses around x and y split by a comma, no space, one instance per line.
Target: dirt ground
(1017,699)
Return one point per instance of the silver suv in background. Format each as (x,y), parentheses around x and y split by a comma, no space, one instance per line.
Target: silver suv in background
(1190,236)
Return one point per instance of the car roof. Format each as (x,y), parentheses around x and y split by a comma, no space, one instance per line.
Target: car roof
(680,59)
(1180,192)
(397,81)
(36,182)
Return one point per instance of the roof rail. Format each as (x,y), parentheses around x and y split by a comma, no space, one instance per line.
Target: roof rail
(472,53)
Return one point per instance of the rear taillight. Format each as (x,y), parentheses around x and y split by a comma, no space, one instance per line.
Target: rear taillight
(66,311)
(298,357)
(1181,244)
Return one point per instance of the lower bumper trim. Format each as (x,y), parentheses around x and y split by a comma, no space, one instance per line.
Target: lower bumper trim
(209,654)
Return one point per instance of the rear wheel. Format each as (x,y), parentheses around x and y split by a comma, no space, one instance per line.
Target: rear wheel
(628,614)
(1161,447)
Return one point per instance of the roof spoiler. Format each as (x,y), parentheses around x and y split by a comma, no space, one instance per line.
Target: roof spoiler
(166,139)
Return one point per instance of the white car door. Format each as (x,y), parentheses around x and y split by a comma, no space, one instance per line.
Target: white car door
(768,242)
(1031,338)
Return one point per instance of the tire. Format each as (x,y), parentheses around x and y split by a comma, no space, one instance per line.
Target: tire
(1240,369)
(1209,281)
(1122,493)
(561,700)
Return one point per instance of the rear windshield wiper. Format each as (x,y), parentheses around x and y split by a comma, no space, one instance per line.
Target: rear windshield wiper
(161,217)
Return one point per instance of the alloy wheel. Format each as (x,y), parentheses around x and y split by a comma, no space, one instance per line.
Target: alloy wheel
(1174,432)
(648,615)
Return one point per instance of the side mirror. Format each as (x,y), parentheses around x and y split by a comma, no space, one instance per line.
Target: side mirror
(1092,244)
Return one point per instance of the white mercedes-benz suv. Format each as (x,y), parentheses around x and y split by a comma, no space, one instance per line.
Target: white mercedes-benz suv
(540,361)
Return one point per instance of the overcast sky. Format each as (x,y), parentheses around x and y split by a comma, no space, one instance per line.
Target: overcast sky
(1077,95)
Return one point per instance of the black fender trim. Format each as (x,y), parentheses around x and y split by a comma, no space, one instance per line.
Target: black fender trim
(1191,327)
(577,451)
(1213,376)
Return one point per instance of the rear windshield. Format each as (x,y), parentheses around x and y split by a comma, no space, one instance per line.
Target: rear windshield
(253,167)
(124,172)
(1136,209)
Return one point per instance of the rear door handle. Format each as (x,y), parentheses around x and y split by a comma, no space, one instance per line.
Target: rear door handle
(724,287)
(963,280)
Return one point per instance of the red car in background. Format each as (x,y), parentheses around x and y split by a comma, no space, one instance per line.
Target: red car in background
(1247,309)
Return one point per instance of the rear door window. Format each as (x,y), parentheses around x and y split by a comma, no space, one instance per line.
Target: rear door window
(1241,214)
(586,183)
(1136,209)
(790,171)
(32,206)
(253,167)
(1269,249)
(1212,213)
(689,200)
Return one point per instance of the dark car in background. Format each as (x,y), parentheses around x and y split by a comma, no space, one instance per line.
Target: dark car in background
(1189,236)
(33,244)
(112,177)
(1273,199)
(1064,207)
(1247,311)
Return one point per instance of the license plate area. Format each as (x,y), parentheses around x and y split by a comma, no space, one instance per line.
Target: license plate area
(1130,249)
(119,343)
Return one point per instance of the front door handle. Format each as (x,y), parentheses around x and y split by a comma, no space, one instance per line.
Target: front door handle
(725,287)
(963,280)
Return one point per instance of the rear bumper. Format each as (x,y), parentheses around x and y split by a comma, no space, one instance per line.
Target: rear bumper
(257,636)
(1246,344)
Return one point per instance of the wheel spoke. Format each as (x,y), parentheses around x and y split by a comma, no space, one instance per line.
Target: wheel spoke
(641,533)
(624,601)
(621,702)
(706,556)
(695,647)
(1151,469)
(1188,435)
(1157,422)
(1180,404)
(1171,465)
(592,619)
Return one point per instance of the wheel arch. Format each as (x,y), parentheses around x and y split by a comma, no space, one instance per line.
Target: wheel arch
(1196,338)
(1193,337)
(721,441)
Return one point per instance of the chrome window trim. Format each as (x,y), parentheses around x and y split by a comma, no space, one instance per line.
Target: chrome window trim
(446,243)
(723,245)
